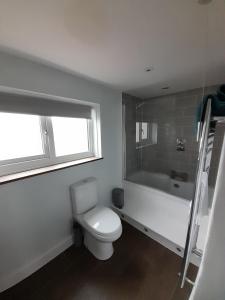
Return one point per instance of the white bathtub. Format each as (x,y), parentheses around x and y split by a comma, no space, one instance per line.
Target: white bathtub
(164,182)
(160,215)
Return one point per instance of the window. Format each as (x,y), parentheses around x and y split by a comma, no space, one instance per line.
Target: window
(138,132)
(30,141)
(146,134)
(16,133)
(70,135)
(144,130)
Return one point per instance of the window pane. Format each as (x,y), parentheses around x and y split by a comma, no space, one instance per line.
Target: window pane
(20,136)
(144,130)
(137,132)
(70,135)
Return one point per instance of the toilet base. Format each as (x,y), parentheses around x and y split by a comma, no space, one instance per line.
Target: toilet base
(101,250)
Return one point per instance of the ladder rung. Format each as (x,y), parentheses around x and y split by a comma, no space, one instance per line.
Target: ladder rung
(188,280)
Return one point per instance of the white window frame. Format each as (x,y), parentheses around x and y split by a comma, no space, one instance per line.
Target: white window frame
(49,158)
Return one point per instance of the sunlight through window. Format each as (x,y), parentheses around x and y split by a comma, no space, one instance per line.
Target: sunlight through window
(20,136)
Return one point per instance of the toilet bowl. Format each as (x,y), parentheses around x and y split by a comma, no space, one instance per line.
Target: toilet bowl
(101,225)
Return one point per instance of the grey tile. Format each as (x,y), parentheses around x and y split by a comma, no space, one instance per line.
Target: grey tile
(175,116)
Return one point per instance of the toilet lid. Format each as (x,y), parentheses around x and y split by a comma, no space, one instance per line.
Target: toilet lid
(102,220)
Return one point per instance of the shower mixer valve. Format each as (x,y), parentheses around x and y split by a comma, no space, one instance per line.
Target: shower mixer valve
(180,144)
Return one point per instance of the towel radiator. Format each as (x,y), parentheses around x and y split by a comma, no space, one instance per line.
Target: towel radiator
(204,157)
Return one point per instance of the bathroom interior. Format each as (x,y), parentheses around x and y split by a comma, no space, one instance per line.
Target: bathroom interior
(112,164)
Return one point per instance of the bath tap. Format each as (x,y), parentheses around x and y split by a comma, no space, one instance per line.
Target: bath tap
(179,176)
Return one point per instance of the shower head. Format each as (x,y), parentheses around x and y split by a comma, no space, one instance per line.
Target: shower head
(139,105)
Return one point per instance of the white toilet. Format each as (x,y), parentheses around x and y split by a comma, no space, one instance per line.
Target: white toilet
(101,225)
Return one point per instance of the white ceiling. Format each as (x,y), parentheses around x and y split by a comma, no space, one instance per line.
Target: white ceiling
(113,41)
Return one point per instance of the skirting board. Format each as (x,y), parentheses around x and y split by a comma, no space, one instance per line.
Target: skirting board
(15,277)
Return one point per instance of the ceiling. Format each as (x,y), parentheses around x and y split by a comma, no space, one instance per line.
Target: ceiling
(113,41)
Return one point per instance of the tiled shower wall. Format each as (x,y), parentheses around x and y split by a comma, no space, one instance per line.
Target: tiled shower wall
(175,115)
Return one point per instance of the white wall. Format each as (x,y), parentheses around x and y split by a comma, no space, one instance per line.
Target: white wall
(35,213)
(210,283)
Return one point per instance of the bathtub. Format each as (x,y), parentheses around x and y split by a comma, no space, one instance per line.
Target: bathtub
(159,214)
(164,182)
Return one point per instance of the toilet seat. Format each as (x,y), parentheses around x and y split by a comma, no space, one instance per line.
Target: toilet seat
(103,223)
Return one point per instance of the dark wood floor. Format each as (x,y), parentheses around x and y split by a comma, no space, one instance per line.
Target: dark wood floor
(139,269)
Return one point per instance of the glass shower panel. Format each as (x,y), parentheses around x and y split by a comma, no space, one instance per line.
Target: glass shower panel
(132,137)
(160,141)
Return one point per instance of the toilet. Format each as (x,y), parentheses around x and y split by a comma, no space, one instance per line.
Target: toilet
(101,225)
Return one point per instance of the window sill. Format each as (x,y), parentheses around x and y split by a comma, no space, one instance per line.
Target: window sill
(30,173)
